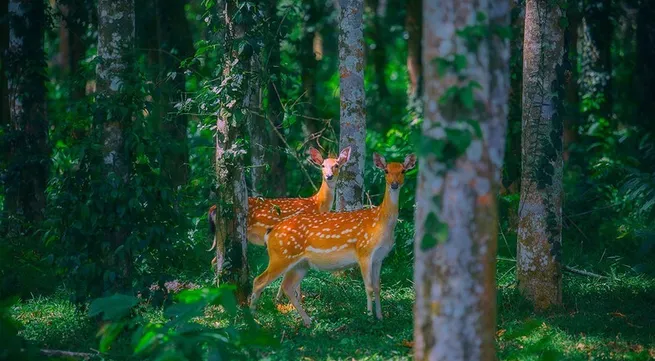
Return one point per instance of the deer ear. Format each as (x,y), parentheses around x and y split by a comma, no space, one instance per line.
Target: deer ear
(344,156)
(315,156)
(379,161)
(410,161)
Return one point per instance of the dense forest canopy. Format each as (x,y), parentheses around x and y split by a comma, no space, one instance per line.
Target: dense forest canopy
(496,156)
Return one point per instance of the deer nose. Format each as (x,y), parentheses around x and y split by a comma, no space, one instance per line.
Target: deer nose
(394,185)
(329,177)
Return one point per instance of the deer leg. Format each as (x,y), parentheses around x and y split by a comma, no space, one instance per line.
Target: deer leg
(290,284)
(365,266)
(280,292)
(377,267)
(272,272)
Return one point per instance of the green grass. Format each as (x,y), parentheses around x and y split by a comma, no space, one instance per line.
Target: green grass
(601,319)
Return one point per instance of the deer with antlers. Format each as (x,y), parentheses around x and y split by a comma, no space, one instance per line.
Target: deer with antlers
(334,241)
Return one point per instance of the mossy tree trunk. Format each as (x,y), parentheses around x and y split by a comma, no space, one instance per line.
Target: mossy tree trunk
(459,176)
(27,132)
(540,209)
(231,247)
(116,29)
(353,103)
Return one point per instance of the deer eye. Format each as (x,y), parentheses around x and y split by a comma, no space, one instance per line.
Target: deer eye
(403,171)
(336,166)
(386,171)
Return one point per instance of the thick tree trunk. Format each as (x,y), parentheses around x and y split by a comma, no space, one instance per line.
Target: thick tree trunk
(540,209)
(71,46)
(116,30)
(231,248)
(414,26)
(456,215)
(5,116)
(596,61)
(27,170)
(353,104)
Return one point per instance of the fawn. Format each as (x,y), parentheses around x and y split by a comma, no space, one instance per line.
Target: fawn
(334,241)
(265,213)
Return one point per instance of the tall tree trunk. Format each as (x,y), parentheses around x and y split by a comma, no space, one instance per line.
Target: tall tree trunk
(309,65)
(540,209)
(645,64)
(377,34)
(231,248)
(596,61)
(456,213)
(512,163)
(413,25)
(275,112)
(258,131)
(116,29)
(353,104)
(176,45)
(27,171)
(5,116)
(71,46)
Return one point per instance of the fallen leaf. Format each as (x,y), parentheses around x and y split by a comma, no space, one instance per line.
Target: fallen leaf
(500,332)
(284,308)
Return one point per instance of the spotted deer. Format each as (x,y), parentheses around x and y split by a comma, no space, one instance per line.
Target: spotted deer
(265,213)
(335,241)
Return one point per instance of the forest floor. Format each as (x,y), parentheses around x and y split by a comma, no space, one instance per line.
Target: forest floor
(609,318)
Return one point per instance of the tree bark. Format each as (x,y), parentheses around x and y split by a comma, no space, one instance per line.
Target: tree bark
(231,247)
(596,60)
(27,169)
(456,214)
(116,28)
(413,25)
(540,210)
(353,104)
(71,45)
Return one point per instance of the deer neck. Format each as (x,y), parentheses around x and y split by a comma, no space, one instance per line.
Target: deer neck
(324,198)
(388,210)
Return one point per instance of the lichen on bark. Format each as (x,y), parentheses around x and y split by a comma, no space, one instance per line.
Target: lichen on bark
(540,209)
(455,279)
(353,104)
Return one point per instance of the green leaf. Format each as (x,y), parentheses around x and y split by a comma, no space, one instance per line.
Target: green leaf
(466,97)
(436,232)
(460,62)
(108,334)
(459,138)
(113,307)
(480,16)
